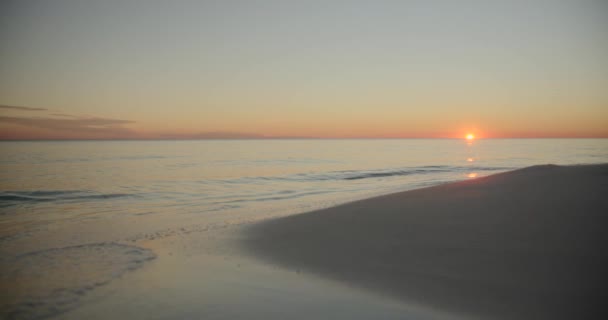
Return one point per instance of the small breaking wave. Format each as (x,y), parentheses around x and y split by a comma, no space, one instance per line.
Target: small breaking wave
(355,174)
(8,198)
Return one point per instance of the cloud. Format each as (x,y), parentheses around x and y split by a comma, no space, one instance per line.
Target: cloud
(21,108)
(68,126)
(74,127)
(213,135)
(63,115)
(55,125)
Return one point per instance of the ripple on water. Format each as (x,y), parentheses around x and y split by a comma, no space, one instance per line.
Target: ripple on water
(45,283)
(9,198)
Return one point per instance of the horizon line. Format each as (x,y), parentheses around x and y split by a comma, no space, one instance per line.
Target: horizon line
(290,138)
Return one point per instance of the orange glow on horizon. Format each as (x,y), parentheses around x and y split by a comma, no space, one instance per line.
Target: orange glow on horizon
(470,136)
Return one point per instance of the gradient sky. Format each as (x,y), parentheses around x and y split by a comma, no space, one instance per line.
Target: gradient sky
(238,69)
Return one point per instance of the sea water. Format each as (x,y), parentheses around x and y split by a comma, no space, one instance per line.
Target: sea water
(54,181)
(99,206)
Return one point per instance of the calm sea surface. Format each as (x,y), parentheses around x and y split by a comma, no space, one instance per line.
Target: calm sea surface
(77,217)
(245,179)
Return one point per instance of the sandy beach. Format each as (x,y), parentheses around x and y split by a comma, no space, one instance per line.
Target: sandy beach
(526,244)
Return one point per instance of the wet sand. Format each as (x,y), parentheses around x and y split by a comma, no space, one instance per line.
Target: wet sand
(526,244)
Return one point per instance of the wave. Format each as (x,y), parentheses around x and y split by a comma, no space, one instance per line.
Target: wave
(356,174)
(17,197)
(344,176)
(13,198)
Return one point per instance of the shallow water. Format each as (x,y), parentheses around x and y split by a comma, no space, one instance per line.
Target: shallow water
(164,212)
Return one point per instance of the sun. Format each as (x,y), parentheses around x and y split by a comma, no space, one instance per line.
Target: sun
(470,136)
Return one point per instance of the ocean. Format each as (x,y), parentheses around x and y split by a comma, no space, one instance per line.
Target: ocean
(75,199)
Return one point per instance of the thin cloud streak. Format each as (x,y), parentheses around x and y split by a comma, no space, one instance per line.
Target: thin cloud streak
(22,108)
(66,126)
(213,135)
(63,115)
(74,128)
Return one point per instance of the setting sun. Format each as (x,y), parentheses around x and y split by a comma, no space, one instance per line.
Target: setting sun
(470,136)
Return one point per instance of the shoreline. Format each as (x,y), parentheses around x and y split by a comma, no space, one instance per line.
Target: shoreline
(523,244)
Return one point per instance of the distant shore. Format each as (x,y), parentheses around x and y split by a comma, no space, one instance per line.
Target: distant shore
(525,244)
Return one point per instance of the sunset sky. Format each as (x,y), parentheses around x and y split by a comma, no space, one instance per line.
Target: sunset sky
(336,69)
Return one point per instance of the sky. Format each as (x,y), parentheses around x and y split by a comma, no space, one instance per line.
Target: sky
(126,69)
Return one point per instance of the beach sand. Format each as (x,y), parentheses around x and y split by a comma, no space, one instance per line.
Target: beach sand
(526,244)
